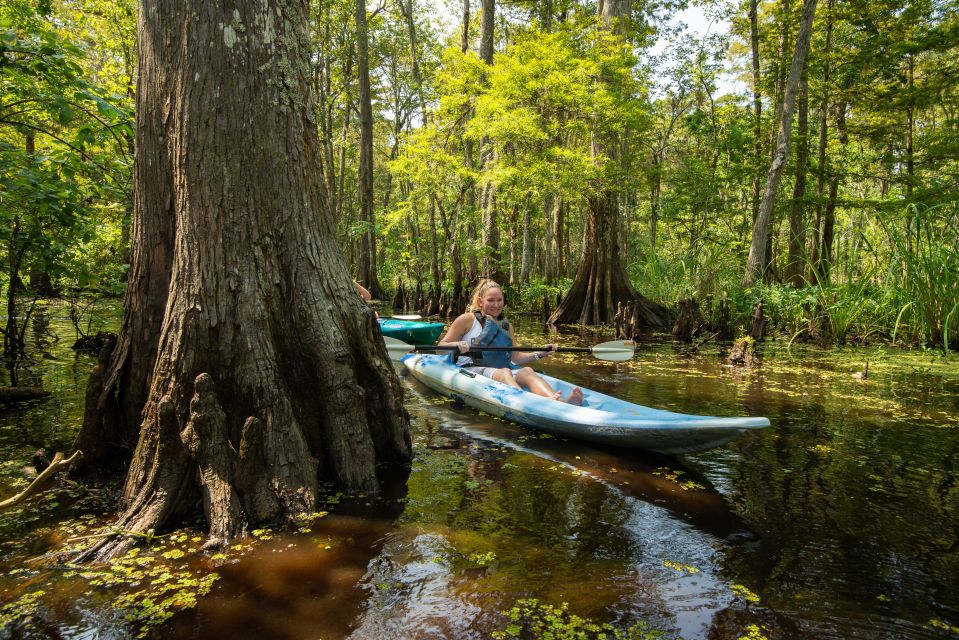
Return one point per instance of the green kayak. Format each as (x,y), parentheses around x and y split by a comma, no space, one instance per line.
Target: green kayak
(412,332)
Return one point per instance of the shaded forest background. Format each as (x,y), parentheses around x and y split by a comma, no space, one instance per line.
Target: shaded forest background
(481,145)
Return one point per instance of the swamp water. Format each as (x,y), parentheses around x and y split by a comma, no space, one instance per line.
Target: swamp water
(839,521)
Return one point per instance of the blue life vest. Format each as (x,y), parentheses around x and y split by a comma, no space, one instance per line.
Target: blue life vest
(495,333)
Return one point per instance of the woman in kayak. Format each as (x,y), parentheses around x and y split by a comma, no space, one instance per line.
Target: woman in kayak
(483,325)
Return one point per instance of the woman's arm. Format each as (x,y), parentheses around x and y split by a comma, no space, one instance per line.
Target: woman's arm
(454,335)
(527,357)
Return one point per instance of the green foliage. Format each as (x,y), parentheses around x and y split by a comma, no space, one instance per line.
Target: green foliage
(925,271)
(64,153)
(530,297)
(531,619)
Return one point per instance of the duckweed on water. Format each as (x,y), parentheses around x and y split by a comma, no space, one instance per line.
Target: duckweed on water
(678,566)
(745,593)
(673,475)
(754,632)
(530,619)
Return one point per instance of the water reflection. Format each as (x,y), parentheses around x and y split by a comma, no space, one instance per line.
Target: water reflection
(305,585)
(840,521)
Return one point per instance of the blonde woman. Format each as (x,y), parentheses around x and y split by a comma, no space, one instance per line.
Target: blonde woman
(483,325)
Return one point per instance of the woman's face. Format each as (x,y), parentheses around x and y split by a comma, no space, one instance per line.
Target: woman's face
(491,302)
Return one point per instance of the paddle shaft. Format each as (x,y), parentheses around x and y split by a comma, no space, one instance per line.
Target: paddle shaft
(613,351)
(432,347)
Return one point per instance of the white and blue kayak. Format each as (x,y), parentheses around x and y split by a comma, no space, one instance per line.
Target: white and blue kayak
(601,419)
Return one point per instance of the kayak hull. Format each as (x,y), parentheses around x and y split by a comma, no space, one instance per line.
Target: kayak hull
(410,331)
(602,419)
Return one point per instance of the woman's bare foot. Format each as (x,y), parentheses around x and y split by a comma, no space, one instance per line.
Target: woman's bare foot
(575,396)
(556,396)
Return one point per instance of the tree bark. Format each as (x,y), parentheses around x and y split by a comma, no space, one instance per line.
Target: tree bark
(527,259)
(762,226)
(252,289)
(486,31)
(465,34)
(655,178)
(367,258)
(558,246)
(815,240)
(797,209)
(824,263)
(757,107)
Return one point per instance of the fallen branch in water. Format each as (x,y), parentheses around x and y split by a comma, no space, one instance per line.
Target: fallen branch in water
(55,465)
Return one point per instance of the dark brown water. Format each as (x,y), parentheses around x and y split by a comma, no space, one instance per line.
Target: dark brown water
(839,521)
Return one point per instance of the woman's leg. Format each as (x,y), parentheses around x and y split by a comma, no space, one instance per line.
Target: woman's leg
(528,378)
(505,376)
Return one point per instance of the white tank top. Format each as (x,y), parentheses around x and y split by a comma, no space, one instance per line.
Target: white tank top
(474,332)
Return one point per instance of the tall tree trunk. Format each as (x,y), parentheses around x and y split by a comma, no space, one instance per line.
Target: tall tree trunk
(824,264)
(547,255)
(779,67)
(757,108)
(526,261)
(415,56)
(472,265)
(486,31)
(367,257)
(601,282)
(558,247)
(815,240)
(465,39)
(763,224)
(435,278)
(490,232)
(245,320)
(655,186)
(797,208)
(910,128)
(511,220)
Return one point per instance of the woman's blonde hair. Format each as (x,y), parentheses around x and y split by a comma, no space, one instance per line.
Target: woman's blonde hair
(484,285)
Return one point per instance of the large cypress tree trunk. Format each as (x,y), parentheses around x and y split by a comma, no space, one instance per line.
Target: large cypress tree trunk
(237,275)
(601,282)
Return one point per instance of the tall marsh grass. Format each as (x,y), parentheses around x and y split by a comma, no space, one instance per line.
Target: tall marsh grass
(925,270)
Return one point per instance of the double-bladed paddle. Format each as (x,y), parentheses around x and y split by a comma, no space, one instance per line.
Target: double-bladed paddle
(614,351)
